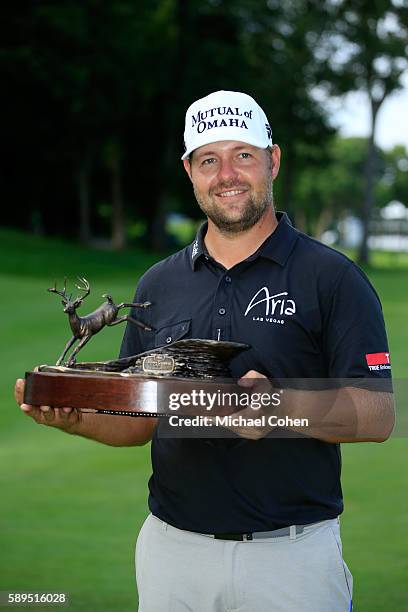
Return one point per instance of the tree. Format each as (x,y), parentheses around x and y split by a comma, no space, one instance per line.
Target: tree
(327,193)
(280,39)
(366,50)
(99,90)
(79,78)
(394,184)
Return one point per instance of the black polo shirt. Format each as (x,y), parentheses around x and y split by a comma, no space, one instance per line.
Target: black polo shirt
(308,312)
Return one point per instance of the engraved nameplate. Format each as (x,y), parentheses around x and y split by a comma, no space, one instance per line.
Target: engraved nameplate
(158,364)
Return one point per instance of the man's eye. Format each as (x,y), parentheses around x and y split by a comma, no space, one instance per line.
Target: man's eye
(208,161)
(245,155)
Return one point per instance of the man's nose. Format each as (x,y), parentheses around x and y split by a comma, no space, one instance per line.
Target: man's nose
(227,171)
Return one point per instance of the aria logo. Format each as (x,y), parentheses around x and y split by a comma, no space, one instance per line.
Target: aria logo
(275,307)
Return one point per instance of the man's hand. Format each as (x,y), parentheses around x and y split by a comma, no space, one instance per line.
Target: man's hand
(256,383)
(108,429)
(346,414)
(65,418)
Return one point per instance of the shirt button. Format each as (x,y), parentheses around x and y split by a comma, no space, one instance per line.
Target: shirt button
(228,279)
(221,311)
(168,339)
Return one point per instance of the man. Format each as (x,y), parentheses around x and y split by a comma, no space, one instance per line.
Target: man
(250,523)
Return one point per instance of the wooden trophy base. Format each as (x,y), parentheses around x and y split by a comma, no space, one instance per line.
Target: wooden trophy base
(140,384)
(111,393)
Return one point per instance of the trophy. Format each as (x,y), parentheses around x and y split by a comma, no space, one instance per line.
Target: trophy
(139,385)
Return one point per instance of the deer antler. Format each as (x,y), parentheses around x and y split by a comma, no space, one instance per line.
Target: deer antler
(85,287)
(63,293)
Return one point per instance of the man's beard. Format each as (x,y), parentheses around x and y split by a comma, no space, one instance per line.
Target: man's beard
(252,209)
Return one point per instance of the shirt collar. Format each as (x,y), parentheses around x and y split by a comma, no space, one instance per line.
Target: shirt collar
(277,246)
(197,249)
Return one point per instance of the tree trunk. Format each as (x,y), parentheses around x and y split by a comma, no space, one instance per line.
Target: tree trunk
(300,221)
(368,202)
(287,188)
(118,214)
(83,197)
(322,223)
(170,133)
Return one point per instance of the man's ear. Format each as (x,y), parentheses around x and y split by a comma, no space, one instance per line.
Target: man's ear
(276,156)
(187,167)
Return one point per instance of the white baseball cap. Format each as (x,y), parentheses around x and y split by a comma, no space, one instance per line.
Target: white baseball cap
(226,115)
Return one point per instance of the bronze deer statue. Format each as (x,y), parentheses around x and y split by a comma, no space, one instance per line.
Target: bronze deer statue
(85,327)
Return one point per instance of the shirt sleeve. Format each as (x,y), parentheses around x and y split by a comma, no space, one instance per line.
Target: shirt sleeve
(355,337)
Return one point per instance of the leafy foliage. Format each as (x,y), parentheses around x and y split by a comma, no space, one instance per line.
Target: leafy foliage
(95,95)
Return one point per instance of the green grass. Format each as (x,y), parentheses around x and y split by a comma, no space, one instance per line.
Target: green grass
(71,509)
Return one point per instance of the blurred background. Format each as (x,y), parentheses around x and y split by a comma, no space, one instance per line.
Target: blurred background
(93,101)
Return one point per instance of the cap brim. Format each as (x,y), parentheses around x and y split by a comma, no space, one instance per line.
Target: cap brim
(251,141)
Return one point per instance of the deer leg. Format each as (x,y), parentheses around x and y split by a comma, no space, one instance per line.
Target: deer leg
(66,349)
(78,347)
(136,305)
(132,320)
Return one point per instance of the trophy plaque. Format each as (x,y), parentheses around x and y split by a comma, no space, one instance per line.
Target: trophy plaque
(139,385)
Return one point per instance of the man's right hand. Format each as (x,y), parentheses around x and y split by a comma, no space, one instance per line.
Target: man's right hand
(62,418)
(108,429)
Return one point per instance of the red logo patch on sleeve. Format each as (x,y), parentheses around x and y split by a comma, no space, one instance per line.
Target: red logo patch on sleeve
(378,361)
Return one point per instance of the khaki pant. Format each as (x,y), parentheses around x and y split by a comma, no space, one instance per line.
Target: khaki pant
(180,571)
